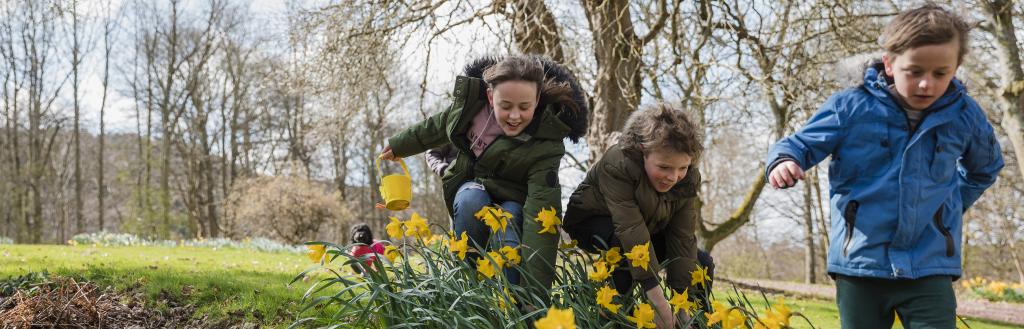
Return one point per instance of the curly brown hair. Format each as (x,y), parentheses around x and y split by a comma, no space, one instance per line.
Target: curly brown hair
(662,127)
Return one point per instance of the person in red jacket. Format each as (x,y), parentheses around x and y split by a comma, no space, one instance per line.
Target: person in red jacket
(363,245)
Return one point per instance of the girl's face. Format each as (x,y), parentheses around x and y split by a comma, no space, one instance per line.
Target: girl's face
(665,169)
(514,103)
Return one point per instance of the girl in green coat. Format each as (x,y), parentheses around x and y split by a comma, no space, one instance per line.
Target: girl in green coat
(643,191)
(507,122)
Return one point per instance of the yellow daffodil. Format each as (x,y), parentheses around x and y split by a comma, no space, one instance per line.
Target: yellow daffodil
(501,299)
(997,287)
(549,220)
(394,228)
(417,226)
(485,267)
(700,276)
(613,256)
(604,298)
(780,313)
(316,252)
(897,320)
(720,313)
(511,254)
(600,272)
(495,217)
(643,316)
(496,257)
(639,256)
(434,238)
(459,246)
(570,245)
(557,319)
(392,253)
(681,302)
(736,319)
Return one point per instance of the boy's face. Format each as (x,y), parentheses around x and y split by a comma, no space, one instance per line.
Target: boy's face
(922,74)
(665,169)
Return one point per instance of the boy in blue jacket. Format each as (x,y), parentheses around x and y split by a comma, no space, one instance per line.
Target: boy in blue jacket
(911,152)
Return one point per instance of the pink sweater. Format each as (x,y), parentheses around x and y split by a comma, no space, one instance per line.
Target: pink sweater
(483,130)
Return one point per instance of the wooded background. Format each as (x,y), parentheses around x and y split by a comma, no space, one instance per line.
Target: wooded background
(238,119)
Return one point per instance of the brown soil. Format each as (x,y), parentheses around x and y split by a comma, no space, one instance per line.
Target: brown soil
(67,303)
(1009,313)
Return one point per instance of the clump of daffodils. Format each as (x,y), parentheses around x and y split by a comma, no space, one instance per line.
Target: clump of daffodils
(994,290)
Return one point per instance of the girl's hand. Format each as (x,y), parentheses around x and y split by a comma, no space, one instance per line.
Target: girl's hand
(785,175)
(388,154)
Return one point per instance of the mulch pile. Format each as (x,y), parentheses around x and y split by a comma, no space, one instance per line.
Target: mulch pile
(66,303)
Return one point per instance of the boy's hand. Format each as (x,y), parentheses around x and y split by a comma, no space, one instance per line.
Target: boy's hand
(664,317)
(785,175)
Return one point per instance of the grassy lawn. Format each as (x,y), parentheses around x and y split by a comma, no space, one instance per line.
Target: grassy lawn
(823,313)
(245,285)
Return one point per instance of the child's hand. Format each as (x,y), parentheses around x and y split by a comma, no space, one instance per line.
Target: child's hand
(664,318)
(785,175)
(388,154)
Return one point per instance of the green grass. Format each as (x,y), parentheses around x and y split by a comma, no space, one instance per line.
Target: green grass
(823,313)
(225,283)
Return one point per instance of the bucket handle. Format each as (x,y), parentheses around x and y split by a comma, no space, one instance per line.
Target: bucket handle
(380,174)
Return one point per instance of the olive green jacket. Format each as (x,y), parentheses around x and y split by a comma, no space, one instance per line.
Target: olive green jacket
(617,186)
(523,168)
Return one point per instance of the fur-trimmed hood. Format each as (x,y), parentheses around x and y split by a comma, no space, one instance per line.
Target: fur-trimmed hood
(577,121)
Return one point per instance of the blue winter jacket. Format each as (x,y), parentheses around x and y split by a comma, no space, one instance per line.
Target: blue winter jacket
(897,196)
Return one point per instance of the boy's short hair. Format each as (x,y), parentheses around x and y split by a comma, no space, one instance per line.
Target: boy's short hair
(662,127)
(924,26)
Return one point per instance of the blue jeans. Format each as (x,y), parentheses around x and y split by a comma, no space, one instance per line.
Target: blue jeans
(469,199)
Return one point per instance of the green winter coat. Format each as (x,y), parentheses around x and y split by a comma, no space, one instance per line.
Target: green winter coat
(523,168)
(617,187)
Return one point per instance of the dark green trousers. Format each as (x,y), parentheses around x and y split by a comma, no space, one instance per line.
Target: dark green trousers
(871,303)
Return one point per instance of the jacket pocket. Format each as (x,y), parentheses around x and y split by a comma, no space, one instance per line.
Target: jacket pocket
(850,217)
(868,152)
(944,230)
(946,155)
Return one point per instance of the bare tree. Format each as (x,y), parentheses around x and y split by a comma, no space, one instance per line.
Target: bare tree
(618,51)
(1002,26)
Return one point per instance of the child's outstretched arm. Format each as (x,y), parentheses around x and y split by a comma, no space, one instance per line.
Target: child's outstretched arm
(423,136)
(981,162)
(817,139)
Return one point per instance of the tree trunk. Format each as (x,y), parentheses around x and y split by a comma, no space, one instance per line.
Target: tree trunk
(736,220)
(1012,98)
(617,87)
(810,259)
(76,135)
(165,120)
(100,158)
(535,30)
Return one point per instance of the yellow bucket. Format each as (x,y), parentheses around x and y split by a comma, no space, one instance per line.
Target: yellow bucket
(395,189)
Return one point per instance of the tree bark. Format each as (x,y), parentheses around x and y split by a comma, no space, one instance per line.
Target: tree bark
(810,259)
(1012,94)
(76,135)
(740,216)
(618,50)
(535,30)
